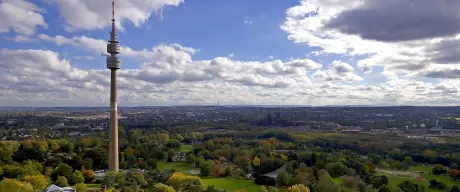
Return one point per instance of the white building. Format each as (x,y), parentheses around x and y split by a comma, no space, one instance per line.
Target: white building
(55,188)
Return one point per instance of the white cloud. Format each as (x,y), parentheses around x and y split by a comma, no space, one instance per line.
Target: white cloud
(83,57)
(338,71)
(97,14)
(20,16)
(22,39)
(41,77)
(336,28)
(168,72)
(231,55)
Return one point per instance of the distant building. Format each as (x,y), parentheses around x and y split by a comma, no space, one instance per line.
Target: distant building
(55,188)
(59,126)
(10,121)
(329,126)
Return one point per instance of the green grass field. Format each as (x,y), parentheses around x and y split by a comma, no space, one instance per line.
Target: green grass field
(426,174)
(94,185)
(177,166)
(231,185)
(186,148)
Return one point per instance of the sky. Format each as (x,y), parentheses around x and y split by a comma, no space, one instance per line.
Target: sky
(238,52)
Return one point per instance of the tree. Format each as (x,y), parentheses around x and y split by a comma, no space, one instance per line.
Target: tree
(136,178)
(339,169)
(289,167)
(325,182)
(210,145)
(454,174)
(244,162)
(173,144)
(180,180)
(38,182)
(61,182)
(100,157)
(383,165)
(13,171)
(32,168)
(298,188)
(408,160)
(13,185)
(205,168)
(455,188)
(171,154)
(199,161)
(384,188)
(88,163)
(152,163)
(376,159)
(120,179)
(441,185)
(351,182)
(407,186)
(433,184)
(81,187)
(378,181)
(283,178)
(190,158)
(54,146)
(7,149)
(211,188)
(76,177)
(76,162)
(262,188)
(256,161)
(160,187)
(216,171)
(437,184)
(438,169)
(272,189)
(123,165)
(162,138)
(301,178)
(109,179)
(61,170)
(179,137)
(89,175)
(396,165)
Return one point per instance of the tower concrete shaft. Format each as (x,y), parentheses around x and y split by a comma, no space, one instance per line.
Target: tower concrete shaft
(113,129)
(113,63)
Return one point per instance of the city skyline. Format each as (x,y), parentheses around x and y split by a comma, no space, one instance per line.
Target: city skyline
(177,52)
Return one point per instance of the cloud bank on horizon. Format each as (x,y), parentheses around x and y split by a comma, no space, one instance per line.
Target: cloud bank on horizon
(325,52)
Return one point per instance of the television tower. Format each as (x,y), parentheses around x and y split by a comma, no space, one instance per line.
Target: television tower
(113,63)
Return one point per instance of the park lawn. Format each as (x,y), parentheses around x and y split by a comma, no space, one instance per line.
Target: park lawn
(231,185)
(94,185)
(428,175)
(395,180)
(425,172)
(177,166)
(420,168)
(186,148)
